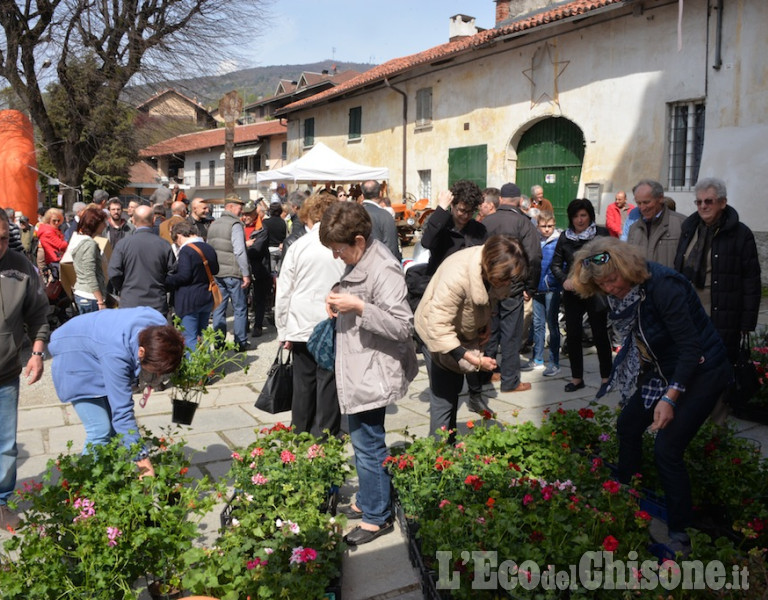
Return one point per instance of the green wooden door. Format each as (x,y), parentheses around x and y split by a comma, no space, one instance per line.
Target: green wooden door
(550,154)
(469,162)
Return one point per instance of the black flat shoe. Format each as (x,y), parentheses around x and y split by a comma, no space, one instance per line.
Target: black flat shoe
(359,536)
(572,387)
(350,512)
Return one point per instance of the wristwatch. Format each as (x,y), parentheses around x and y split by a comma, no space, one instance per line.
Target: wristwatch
(40,354)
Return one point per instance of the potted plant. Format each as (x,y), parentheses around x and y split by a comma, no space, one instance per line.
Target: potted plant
(278,531)
(198,368)
(93,529)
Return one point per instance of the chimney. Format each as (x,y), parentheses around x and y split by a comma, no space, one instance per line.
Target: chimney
(512,9)
(502,10)
(461,26)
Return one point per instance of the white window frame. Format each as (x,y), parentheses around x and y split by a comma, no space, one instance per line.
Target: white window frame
(425,184)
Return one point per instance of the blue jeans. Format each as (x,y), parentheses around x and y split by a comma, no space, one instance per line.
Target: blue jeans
(9,404)
(96,416)
(86,305)
(231,287)
(193,325)
(366,430)
(545,310)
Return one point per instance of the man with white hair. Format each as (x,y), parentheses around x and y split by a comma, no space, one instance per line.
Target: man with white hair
(77,208)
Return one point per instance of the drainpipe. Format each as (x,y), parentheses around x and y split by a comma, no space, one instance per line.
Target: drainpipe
(405,128)
(719,37)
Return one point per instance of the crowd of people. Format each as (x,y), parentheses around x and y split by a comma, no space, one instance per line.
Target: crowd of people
(665,309)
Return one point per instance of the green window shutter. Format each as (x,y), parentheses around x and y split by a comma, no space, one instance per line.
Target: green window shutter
(355,122)
(309,132)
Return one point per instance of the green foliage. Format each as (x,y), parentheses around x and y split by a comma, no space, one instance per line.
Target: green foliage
(198,369)
(759,354)
(279,537)
(93,527)
(546,494)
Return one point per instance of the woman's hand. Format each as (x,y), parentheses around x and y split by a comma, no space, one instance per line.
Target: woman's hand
(444,199)
(145,468)
(487,364)
(287,345)
(662,415)
(343,303)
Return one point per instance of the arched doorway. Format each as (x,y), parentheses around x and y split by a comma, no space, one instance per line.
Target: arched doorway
(550,154)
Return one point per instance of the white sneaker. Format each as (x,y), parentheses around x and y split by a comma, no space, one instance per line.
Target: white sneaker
(533,365)
(551,371)
(8,518)
(478,404)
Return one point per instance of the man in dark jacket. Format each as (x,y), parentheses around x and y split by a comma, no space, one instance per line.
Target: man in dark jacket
(384,228)
(507,325)
(139,265)
(718,255)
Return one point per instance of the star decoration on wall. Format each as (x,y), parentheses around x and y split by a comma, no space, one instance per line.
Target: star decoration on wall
(543,75)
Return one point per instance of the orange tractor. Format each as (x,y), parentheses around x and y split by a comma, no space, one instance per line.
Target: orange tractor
(410,216)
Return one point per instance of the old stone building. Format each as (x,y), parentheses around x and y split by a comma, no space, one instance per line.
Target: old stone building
(583,97)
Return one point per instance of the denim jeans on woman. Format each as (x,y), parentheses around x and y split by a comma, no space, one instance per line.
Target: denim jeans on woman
(193,325)
(96,415)
(9,405)
(366,430)
(86,305)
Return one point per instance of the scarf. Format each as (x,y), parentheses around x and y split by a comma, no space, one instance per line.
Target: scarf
(628,363)
(585,235)
(695,267)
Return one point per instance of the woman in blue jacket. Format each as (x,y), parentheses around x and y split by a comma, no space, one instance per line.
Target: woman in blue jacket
(193,301)
(98,356)
(671,368)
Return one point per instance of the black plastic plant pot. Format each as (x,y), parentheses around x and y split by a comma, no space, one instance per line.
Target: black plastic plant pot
(183,411)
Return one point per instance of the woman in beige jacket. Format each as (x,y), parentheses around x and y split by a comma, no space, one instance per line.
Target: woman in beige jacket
(454,315)
(375,357)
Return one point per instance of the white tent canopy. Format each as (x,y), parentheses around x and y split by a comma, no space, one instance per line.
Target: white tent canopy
(323,164)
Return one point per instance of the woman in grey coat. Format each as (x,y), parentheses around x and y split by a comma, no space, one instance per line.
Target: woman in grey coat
(375,357)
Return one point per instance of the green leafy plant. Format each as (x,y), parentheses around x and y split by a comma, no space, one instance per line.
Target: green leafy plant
(759,354)
(280,535)
(93,528)
(207,362)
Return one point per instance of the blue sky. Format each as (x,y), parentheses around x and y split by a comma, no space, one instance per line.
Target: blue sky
(303,31)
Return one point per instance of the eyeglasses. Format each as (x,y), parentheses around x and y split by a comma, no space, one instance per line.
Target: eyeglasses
(462,210)
(596,259)
(342,194)
(705,201)
(339,251)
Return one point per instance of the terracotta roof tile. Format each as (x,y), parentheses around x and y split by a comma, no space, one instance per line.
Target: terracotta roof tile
(212,138)
(445,51)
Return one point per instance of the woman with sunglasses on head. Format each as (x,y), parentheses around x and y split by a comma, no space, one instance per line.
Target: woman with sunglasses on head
(581,230)
(671,368)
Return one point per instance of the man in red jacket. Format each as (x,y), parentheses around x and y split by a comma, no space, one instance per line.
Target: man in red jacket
(616,214)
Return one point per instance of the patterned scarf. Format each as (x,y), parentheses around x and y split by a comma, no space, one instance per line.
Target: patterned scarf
(585,235)
(628,362)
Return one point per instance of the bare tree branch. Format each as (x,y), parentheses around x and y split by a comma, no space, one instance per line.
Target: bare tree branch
(98,47)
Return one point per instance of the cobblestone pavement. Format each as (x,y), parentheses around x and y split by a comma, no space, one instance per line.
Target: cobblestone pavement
(227,418)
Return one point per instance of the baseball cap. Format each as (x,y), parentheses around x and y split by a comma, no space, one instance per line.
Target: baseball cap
(510,190)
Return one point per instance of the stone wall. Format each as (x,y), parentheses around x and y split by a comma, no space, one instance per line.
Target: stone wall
(761,237)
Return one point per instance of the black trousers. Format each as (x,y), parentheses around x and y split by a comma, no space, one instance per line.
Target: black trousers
(315,401)
(575,308)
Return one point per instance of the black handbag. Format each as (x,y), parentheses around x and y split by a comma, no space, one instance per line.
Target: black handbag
(747,381)
(277,394)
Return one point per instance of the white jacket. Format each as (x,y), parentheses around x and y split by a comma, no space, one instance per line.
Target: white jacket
(307,274)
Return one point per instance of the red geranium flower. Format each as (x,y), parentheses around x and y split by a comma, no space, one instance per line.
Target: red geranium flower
(610,544)
(586,413)
(612,487)
(474,481)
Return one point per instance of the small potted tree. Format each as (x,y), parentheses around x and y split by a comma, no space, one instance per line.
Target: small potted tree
(198,369)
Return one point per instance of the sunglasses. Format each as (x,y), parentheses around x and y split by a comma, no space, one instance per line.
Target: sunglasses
(705,202)
(596,259)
